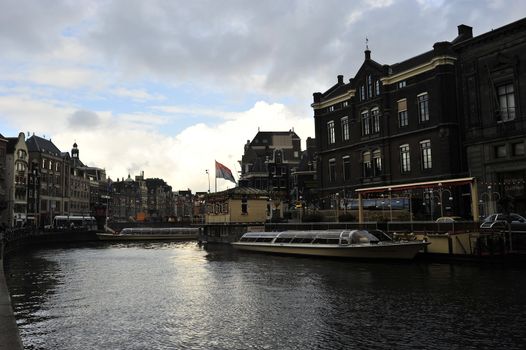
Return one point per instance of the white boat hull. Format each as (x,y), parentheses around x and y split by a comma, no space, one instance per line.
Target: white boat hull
(148,237)
(397,250)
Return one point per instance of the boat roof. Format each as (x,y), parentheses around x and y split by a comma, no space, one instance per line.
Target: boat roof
(336,234)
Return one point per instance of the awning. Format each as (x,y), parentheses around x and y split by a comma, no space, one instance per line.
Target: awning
(414,185)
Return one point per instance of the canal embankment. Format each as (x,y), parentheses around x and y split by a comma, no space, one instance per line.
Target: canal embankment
(9,335)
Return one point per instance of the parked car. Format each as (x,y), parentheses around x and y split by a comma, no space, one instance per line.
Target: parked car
(444,219)
(500,220)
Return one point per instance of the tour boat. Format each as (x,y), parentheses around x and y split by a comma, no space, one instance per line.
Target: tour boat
(150,234)
(345,243)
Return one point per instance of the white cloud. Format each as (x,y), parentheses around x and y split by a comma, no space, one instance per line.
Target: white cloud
(140,95)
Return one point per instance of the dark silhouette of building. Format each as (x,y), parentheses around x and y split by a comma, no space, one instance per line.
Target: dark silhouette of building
(492,90)
(268,162)
(450,112)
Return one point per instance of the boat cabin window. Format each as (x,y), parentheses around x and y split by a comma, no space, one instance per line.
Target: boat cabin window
(283,240)
(326,241)
(264,239)
(358,237)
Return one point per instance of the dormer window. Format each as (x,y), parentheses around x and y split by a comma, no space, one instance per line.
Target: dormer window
(369,86)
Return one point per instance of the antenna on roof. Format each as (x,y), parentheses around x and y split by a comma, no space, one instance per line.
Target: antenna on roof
(258,128)
(366,43)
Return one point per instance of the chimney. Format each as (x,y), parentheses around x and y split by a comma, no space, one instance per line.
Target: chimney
(465,31)
(340,79)
(316,97)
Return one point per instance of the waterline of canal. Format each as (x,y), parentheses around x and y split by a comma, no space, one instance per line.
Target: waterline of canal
(182,296)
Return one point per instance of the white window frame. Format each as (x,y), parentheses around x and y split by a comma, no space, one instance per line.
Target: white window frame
(425,151)
(331,132)
(345,128)
(375,120)
(423,107)
(366,123)
(405,158)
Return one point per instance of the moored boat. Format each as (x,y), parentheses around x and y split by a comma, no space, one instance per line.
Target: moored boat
(150,234)
(345,243)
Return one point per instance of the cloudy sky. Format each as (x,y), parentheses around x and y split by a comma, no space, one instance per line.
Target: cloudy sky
(167,87)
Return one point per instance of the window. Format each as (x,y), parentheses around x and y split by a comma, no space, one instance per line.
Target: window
(346,168)
(403,120)
(369,86)
(375,120)
(405,161)
(401,84)
(345,128)
(377,162)
(362,93)
(331,109)
(500,151)
(366,130)
(377,87)
(425,149)
(367,167)
(506,101)
(345,104)
(332,170)
(423,107)
(518,149)
(244,204)
(330,130)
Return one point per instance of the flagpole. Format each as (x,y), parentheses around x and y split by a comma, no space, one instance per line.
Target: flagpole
(215,166)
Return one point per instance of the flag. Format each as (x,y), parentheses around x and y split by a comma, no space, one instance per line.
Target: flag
(223,172)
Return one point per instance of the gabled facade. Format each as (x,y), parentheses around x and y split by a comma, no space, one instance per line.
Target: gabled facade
(389,125)
(78,185)
(269,160)
(16,170)
(48,164)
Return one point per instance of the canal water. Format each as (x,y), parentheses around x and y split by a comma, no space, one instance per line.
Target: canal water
(182,296)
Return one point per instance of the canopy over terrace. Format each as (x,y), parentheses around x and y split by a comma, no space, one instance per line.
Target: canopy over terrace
(438,183)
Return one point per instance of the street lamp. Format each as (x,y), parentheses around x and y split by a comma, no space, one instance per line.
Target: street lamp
(208,174)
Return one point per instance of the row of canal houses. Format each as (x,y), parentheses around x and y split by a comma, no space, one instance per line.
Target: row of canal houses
(39,182)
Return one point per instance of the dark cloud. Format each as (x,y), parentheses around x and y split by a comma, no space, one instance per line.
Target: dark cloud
(28,26)
(288,42)
(83,119)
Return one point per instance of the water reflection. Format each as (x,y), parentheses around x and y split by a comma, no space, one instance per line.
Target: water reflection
(180,295)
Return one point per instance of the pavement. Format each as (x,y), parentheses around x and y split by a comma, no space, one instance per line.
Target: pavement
(9,336)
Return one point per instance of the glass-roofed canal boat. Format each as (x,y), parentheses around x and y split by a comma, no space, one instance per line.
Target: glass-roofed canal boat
(151,234)
(343,243)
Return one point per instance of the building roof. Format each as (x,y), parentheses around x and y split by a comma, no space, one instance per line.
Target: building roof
(39,144)
(11,144)
(237,192)
(267,135)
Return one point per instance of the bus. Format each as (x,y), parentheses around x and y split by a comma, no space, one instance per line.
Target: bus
(75,223)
